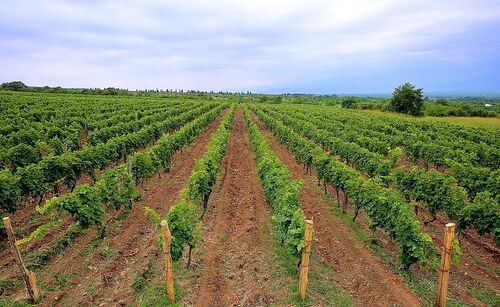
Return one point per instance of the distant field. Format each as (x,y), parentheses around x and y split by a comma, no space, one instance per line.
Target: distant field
(484,122)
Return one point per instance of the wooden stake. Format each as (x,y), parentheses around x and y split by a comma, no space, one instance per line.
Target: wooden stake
(444,271)
(168,261)
(28,277)
(304,264)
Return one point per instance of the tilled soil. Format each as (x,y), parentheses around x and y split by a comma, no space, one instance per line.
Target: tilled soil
(356,267)
(234,265)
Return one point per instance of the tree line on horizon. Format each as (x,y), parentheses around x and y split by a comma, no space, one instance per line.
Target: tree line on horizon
(406,98)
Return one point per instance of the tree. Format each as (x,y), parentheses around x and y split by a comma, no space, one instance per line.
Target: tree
(407,99)
(348,102)
(13,85)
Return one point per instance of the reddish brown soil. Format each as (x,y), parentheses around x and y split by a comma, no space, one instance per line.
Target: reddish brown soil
(234,265)
(355,266)
(106,275)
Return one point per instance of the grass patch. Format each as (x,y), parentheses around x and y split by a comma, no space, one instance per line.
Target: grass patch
(107,252)
(426,288)
(42,257)
(90,290)
(69,237)
(63,280)
(34,218)
(222,237)
(114,227)
(140,280)
(122,215)
(89,248)
(8,286)
(7,302)
(38,259)
(152,288)
(326,289)
(480,263)
(487,296)
(321,290)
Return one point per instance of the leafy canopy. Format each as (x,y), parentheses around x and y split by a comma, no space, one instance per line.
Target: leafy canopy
(407,99)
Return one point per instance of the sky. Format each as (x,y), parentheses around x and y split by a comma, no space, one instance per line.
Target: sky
(319,47)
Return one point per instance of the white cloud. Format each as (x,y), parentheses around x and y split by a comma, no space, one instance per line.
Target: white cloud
(234,45)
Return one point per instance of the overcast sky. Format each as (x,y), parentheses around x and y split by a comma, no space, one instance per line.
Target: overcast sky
(331,46)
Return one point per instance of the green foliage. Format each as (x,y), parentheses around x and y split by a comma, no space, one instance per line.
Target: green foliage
(9,286)
(62,280)
(183,217)
(9,191)
(444,108)
(88,204)
(395,155)
(205,172)
(483,215)
(487,295)
(22,155)
(38,259)
(456,251)
(281,192)
(117,188)
(57,146)
(83,205)
(142,166)
(39,232)
(440,192)
(32,181)
(13,86)
(407,99)
(386,209)
(153,216)
(476,179)
(111,145)
(184,226)
(348,103)
(55,168)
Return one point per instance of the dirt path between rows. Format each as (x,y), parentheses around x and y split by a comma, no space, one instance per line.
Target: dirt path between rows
(356,267)
(104,277)
(234,265)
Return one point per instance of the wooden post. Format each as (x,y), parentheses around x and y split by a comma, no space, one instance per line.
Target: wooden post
(444,271)
(304,264)
(168,261)
(28,277)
